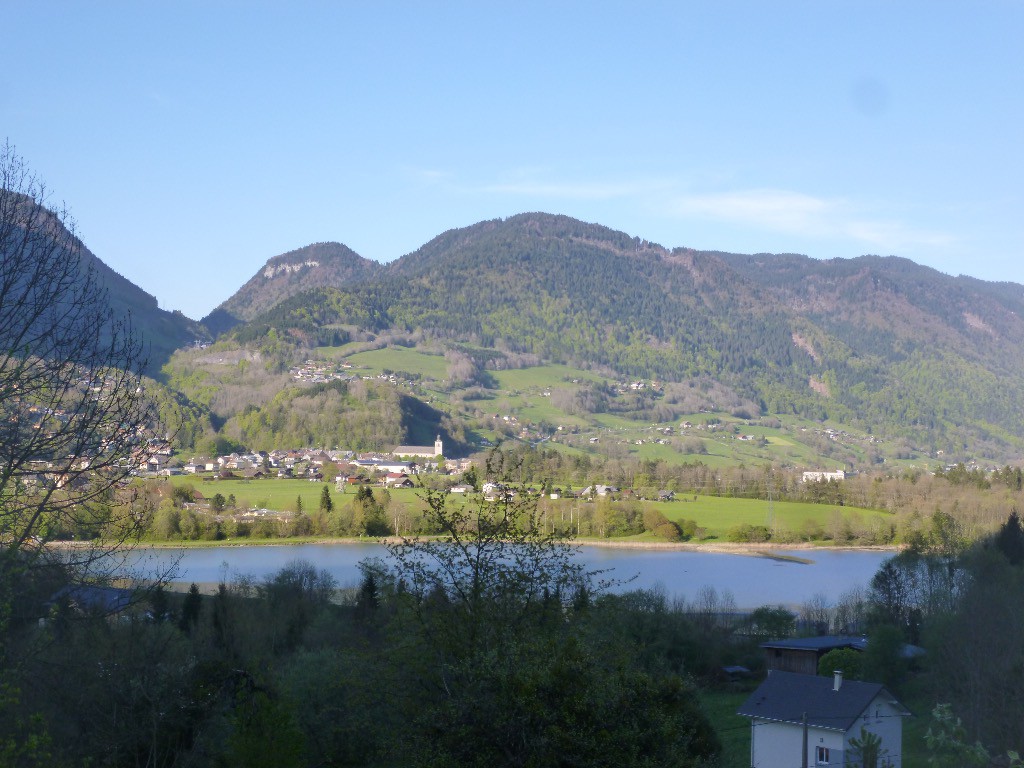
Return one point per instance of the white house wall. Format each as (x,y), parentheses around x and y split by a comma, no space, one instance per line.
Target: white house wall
(886,724)
(831,740)
(780,745)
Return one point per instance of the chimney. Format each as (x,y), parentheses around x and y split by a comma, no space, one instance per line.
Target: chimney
(837,680)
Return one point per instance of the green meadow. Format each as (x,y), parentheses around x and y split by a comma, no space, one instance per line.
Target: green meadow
(717,515)
(400,359)
(542,376)
(279,495)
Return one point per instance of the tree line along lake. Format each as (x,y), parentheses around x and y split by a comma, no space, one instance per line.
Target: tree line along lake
(753,578)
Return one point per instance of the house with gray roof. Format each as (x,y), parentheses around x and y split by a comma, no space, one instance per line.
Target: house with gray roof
(793,715)
(802,654)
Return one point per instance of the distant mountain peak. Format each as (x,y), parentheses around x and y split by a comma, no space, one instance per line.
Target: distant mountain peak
(318,265)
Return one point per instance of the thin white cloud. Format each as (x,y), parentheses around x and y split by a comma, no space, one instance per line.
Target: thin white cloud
(795,213)
(790,212)
(777,210)
(895,235)
(428,175)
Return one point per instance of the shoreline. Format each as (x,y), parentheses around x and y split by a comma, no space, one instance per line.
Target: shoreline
(736,548)
(750,549)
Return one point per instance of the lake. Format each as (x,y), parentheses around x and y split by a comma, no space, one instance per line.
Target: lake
(752,580)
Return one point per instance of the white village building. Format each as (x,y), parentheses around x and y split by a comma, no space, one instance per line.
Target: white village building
(421,451)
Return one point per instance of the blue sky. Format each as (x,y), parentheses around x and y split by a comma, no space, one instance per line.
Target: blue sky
(195,140)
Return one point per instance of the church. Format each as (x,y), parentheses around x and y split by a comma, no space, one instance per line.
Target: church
(421,451)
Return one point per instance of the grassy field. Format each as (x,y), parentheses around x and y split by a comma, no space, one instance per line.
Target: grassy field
(715,514)
(539,409)
(275,494)
(718,514)
(541,377)
(400,359)
(337,353)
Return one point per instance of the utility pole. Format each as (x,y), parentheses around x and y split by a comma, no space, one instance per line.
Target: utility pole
(803,762)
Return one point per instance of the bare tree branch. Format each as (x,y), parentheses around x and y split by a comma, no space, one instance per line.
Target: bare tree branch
(72,407)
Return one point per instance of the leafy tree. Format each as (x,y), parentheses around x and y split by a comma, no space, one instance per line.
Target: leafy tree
(264,733)
(368,515)
(24,740)
(368,597)
(883,657)
(470,477)
(866,751)
(191,608)
(505,677)
(326,503)
(846,660)
(947,742)
(294,595)
(183,494)
(975,655)
(166,522)
(891,592)
(159,605)
(772,622)
(375,523)
(218,502)
(1010,539)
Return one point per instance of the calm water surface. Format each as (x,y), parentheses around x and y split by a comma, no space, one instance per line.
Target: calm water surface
(753,581)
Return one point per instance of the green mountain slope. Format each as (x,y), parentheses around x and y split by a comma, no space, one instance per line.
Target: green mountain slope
(879,343)
(562,290)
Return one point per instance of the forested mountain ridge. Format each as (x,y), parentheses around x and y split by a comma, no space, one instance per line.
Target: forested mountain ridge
(316,265)
(161,331)
(881,343)
(557,288)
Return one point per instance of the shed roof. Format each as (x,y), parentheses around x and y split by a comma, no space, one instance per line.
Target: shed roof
(787,696)
(92,598)
(822,643)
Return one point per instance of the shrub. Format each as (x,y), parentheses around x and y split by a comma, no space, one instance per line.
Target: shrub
(749,533)
(669,531)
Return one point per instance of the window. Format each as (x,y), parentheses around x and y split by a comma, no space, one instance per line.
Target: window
(822,757)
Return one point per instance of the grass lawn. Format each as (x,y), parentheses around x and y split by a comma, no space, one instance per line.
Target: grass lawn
(720,705)
(920,704)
